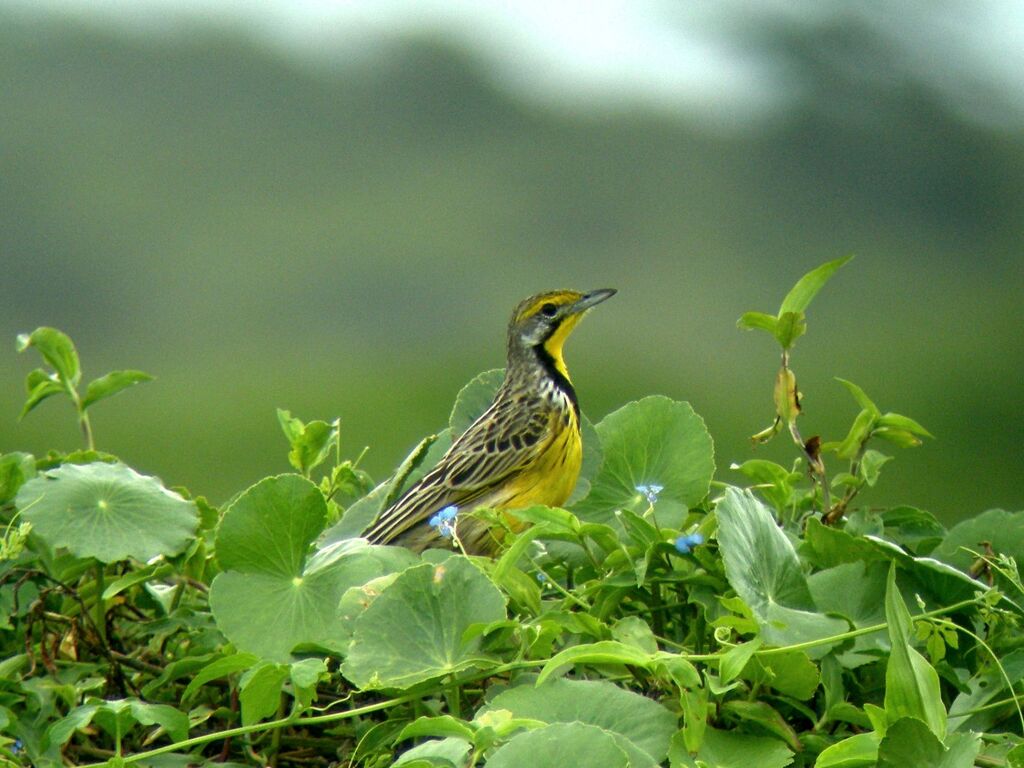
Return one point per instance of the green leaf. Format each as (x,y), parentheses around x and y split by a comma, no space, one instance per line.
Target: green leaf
(310,443)
(654,440)
(871,464)
(904,423)
(603,652)
(61,731)
(750,321)
(909,744)
(775,482)
(790,327)
(414,631)
(130,579)
(791,674)
(763,568)
(173,720)
(1003,530)
(107,511)
(807,287)
(111,384)
(443,753)
(445,726)
(860,431)
(860,751)
(911,683)
(305,676)
(729,749)
(643,722)
(860,396)
(15,469)
(474,398)
(269,528)
(763,716)
(57,350)
(228,665)
(39,385)
(736,658)
(273,593)
(260,691)
(560,745)
(970,710)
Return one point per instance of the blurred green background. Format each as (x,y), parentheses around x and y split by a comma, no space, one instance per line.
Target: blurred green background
(333,208)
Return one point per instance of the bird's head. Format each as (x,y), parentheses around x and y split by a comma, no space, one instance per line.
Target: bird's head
(541,323)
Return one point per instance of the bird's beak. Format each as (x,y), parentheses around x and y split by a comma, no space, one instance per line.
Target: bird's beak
(591,299)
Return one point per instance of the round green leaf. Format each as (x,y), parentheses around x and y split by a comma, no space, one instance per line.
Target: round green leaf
(414,630)
(1004,530)
(474,398)
(273,593)
(107,511)
(560,745)
(644,723)
(268,529)
(651,441)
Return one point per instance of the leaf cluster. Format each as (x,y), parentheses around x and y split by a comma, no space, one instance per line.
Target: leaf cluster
(663,617)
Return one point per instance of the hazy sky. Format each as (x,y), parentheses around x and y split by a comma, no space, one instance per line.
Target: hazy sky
(706,59)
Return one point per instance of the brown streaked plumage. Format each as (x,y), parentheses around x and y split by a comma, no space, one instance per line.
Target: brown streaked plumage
(524,449)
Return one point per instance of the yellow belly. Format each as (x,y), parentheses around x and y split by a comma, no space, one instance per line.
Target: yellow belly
(549,481)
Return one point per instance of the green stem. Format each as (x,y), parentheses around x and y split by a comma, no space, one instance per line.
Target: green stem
(83,417)
(100,607)
(275,739)
(268,726)
(836,638)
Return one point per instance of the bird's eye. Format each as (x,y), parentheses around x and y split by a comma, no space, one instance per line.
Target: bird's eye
(549,310)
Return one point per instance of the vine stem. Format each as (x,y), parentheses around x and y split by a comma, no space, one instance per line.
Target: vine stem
(292,720)
(523,664)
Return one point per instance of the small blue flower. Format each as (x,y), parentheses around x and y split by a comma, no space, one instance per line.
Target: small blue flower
(444,521)
(17,746)
(543,577)
(650,491)
(686,543)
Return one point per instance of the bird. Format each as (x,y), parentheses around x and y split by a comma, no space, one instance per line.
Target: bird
(524,449)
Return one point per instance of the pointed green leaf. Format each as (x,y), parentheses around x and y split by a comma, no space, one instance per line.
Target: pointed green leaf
(757,321)
(764,716)
(736,658)
(764,569)
(107,511)
(896,421)
(222,667)
(860,751)
(260,691)
(911,683)
(111,384)
(445,726)
(790,327)
(39,385)
(603,652)
(909,744)
(437,753)
(808,286)
(57,349)
(174,721)
(860,396)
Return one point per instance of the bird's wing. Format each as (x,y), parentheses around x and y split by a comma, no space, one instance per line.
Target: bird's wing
(492,451)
